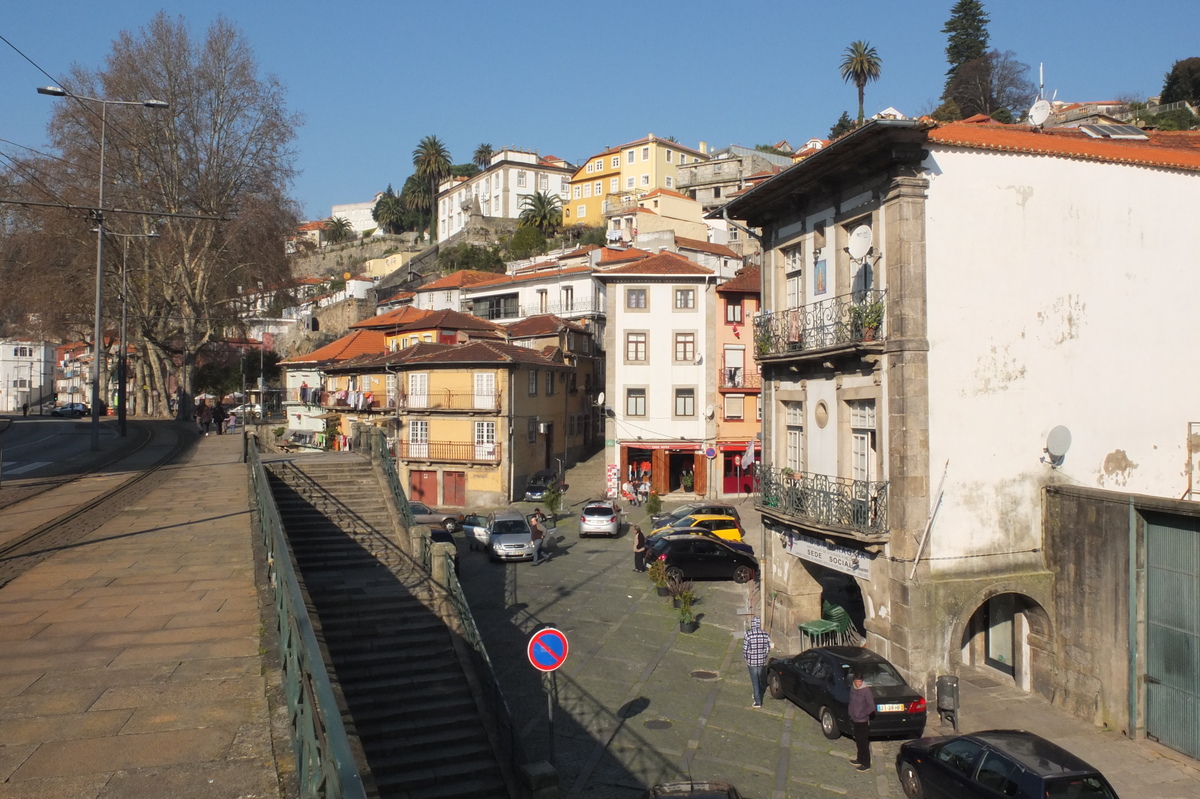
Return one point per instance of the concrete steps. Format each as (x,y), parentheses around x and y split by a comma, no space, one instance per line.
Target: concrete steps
(406,694)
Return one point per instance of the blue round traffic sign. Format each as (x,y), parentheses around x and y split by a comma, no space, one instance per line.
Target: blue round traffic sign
(547,649)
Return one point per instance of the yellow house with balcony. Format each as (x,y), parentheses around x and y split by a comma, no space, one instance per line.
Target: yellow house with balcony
(621,174)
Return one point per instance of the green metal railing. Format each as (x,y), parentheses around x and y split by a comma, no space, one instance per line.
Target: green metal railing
(378,447)
(325,765)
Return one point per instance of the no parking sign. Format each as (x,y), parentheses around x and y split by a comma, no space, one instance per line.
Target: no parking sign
(547,649)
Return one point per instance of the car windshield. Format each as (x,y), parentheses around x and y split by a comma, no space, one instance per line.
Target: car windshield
(417,507)
(682,510)
(876,675)
(510,527)
(686,521)
(597,510)
(1078,788)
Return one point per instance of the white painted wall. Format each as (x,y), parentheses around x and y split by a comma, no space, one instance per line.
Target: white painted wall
(1060,293)
(497,189)
(358,215)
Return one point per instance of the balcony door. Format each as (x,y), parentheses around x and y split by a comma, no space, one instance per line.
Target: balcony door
(862,440)
(418,390)
(418,439)
(485,441)
(485,390)
(735,367)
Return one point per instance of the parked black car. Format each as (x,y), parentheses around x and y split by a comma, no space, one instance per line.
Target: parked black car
(667,518)
(740,546)
(993,764)
(818,680)
(695,557)
(542,479)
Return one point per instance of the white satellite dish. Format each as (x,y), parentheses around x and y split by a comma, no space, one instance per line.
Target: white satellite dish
(600,399)
(709,412)
(860,242)
(1039,113)
(1058,441)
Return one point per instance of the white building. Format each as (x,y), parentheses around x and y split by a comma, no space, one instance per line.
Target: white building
(979,418)
(499,190)
(26,373)
(358,215)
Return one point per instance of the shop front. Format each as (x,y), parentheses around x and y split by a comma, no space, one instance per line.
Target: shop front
(668,466)
(737,470)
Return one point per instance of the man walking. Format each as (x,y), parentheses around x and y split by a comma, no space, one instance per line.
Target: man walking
(639,549)
(538,536)
(862,707)
(755,649)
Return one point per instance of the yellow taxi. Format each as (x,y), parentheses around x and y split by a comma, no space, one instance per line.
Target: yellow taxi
(722,526)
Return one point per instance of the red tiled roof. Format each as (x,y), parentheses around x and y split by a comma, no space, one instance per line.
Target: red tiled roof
(977,119)
(360,342)
(705,246)
(747,281)
(1167,149)
(524,275)
(667,192)
(456,280)
(584,250)
(447,319)
(542,325)
(391,318)
(665,263)
(318,225)
(611,256)
(478,352)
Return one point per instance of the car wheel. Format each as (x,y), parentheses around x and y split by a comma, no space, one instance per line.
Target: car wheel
(77,415)
(743,574)
(774,687)
(829,725)
(674,573)
(451,526)
(910,783)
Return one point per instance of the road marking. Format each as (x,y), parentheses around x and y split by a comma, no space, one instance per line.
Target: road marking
(27,467)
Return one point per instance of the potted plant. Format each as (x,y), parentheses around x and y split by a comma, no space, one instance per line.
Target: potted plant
(653,504)
(678,590)
(866,317)
(687,619)
(688,480)
(657,572)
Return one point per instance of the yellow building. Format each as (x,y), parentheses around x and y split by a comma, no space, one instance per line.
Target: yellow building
(619,175)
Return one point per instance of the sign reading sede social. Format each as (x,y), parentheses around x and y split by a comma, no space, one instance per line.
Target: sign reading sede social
(547,649)
(843,559)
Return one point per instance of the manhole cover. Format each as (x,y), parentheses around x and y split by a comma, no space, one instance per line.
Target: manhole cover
(657,724)
(701,674)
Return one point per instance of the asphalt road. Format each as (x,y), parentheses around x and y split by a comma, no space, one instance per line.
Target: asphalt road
(638,701)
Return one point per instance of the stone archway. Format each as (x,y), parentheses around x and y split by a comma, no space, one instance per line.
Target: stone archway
(1007,631)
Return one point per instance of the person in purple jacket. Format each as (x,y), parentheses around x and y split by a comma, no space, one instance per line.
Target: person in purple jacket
(862,707)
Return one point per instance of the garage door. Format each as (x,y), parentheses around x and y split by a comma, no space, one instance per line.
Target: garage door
(1173,632)
(454,489)
(422,487)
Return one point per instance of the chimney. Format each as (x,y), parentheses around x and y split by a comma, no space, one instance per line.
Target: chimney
(704,148)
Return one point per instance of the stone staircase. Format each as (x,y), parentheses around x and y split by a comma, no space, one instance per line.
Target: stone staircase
(390,655)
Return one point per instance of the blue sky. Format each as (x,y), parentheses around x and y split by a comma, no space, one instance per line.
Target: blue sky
(371,78)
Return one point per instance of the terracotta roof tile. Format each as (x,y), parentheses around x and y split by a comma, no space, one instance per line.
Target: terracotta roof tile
(705,246)
(360,342)
(666,192)
(665,263)
(391,318)
(611,256)
(459,279)
(1167,149)
(747,281)
(542,325)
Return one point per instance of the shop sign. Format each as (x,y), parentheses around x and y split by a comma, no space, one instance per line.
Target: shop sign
(612,479)
(842,559)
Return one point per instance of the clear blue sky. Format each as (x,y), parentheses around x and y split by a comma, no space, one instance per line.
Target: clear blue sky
(371,78)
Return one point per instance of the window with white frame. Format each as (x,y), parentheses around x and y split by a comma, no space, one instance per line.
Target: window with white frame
(543,182)
(533,378)
(645,153)
(418,390)
(587,189)
(733,312)
(685,347)
(682,159)
(578,192)
(670,180)
(734,406)
(685,299)
(598,187)
(589,166)
(685,402)
(635,402)
(520,178)
(635,346)
(485,390)
(616,161)
(418,438)
(793,418)
(614,184)
(562,185)
(629,182)
(670,155)
(862,439)
(629,156)
(645,180)
(580,211)
(485,441)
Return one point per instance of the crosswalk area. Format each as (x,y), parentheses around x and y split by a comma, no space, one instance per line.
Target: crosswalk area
(13,468)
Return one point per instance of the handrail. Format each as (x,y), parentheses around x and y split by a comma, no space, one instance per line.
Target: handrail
(377,445)
(857,505)
(325,764)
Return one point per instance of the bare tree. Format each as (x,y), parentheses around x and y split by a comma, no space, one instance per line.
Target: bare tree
(995,84)
(215,167)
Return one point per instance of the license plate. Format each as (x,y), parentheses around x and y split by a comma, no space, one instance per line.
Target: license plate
(895,708)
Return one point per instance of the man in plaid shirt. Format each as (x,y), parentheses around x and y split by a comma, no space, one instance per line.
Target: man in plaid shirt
(754,650)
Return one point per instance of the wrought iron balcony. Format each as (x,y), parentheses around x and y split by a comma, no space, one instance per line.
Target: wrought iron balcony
(506,311)
(857,506)
(448,451)
(447,400)
(841,321)
(739,377)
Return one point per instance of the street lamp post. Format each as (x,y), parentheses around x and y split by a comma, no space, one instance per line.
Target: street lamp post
(98,331)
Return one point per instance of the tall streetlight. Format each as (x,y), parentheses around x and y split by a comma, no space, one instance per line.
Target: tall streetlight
(98,332)
(123,358)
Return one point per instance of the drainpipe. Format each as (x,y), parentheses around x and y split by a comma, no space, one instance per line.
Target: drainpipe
(1133,629)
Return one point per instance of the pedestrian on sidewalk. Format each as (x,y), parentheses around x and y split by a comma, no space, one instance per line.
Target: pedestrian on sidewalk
(219,416)
(862,707)
(538,536)
(755,649)
(639,549)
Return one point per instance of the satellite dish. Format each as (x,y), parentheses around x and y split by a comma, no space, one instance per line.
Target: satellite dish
(600,398)
(1038,115)
(1057,443)
(709,412)
(860,242)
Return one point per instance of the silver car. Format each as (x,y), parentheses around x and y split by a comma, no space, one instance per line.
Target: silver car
(423,514)
(600,517)
(509,536)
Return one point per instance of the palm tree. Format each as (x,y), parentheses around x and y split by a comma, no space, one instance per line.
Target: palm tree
(860,66)
(541,210)
(389,212)
(338,229)
(483,156)
(431,159)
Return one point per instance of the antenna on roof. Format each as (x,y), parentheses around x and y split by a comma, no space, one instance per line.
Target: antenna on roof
(1041,81)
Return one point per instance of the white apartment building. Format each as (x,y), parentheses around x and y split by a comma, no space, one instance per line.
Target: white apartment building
(499,190)
(26,373)
(358,215)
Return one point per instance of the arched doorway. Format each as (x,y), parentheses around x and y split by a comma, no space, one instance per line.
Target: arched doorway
(842,590)
(1000,635)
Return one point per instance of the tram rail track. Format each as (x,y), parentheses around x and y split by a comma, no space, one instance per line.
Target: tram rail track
(22,552)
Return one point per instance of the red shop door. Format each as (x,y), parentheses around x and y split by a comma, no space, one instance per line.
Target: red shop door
(423,487)
(454,489)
